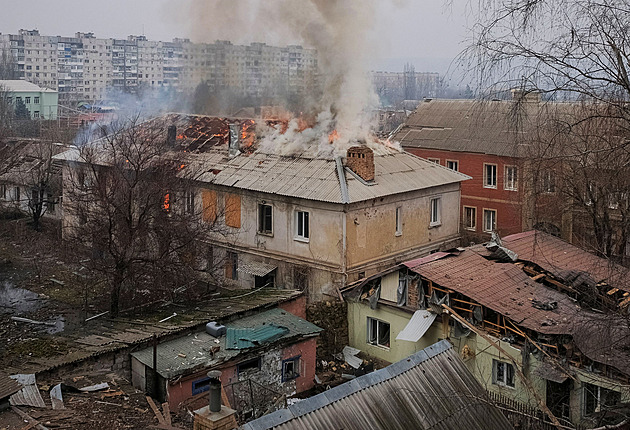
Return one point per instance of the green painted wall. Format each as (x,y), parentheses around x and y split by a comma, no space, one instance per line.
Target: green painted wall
(47,106)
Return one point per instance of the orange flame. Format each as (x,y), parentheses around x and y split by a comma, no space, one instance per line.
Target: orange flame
(166,205)
(333,136)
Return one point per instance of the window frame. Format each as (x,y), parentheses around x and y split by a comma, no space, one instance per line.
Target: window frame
(548,181)
(433,160)
(376,342)
(262,219)
(508,379)
(474,218)
(486,177)
(201,385)
(456,163)
(514,180)
(246,365)
(306,226)
(399,222)
(438,220)
(597,397)
(296,366)
(484,220)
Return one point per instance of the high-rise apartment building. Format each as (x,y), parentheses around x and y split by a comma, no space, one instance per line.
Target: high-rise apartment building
(86,68)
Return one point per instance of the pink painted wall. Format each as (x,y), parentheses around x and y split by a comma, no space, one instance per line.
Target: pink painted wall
(306,350)
(296,306)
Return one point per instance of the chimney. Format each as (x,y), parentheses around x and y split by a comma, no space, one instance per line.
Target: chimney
(235,139)
(360,159)
(215,416)
(171,136)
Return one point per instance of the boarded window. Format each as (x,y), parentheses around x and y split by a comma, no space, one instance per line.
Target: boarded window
(209,200)
(233,210)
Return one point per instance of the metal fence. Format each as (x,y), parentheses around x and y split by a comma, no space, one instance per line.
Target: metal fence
(252,400)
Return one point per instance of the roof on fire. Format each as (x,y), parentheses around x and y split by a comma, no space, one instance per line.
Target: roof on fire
(204,141)
(431,389)
(182,355)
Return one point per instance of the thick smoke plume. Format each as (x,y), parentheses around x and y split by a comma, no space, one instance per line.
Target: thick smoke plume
(339,30)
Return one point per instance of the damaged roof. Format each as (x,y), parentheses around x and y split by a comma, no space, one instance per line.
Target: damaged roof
(189,353)
(560,258)
(502,287)
(431,389)
(8,386)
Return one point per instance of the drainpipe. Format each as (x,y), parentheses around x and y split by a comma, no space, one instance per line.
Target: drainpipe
(345,199)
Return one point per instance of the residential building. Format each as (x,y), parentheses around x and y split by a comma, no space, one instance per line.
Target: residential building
(308,221)
(428,390)
(86,68)
(272,350)
(41,103)
(487,141)
(529,304)
(395,87)
(29,177)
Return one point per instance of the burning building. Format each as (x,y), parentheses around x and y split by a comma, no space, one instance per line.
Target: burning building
(306,217)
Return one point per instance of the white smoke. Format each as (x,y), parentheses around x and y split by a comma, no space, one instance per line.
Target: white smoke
(339,30)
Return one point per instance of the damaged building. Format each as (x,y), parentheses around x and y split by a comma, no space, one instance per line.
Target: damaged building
(308,221)
(529,304)
(263,358)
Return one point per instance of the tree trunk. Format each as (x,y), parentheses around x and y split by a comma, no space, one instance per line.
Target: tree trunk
(114,305)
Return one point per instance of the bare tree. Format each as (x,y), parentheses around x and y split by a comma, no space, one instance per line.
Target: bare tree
(576,51)
(132,200)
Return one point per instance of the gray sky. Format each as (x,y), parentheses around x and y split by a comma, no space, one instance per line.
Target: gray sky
(427,33)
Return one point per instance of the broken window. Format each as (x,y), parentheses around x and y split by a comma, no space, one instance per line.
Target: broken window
(302,225)
(436,204)
(489,175)
(252,364)
(265,219)
(200,385)
(598,398)
(502,373)
(378,332)
(290,369)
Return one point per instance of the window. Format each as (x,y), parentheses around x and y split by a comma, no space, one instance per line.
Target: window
(470,218)
(17,194)
(265,218)
(290,368)
(27,100)
(302,226)
(231,265)
(502,373)
(489,220)
(510,180)
(3,191)
(200,385)
(453,165)
(435,211)
(377,332)
(189,202)
(36,100)
(244,366)
(548,182)
(434,160)
(489,175)
(597,398)
(398,221)
(50,205)
(36,114)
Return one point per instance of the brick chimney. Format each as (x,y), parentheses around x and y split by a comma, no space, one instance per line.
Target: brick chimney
(360,160)
(171,135)
(215,416)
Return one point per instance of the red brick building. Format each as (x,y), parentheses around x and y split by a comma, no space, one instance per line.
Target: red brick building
(481,140)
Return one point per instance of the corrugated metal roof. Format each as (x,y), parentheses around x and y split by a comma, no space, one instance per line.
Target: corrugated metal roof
(503,287)
(187,353)
(29,395)
(417,326)
(557,257)
(8,386)
(243,338)
(256,268)
(431,389)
